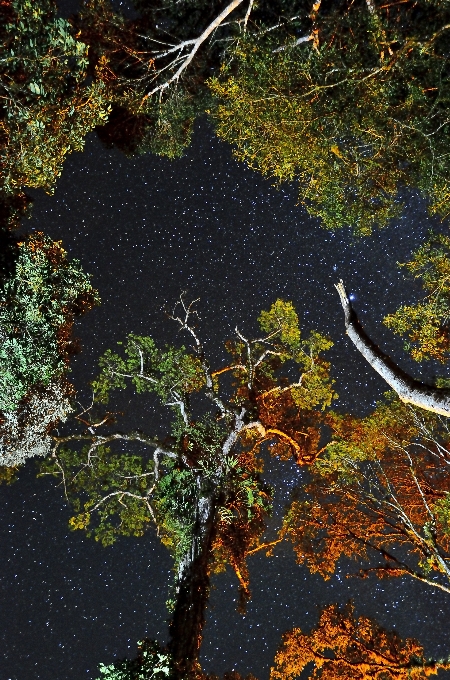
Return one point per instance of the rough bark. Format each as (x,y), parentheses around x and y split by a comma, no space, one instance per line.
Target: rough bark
(191,592)
(409,390)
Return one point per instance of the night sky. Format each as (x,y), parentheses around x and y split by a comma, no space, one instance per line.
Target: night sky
(147,229)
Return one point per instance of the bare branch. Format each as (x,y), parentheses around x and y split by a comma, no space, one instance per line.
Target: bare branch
(118,493)
(313,35)
(299,41)
(184,324)
(247,14)
(249,357)
(181,405)
(100,440)
(264,546)
(196,45)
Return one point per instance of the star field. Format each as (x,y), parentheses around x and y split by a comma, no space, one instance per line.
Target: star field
(148,228)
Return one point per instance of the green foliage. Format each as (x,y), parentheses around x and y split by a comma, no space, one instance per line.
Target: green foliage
(178,491)
(47,106)
(171,124)
(201,441)
(425,324)
(8,475)
(149,370)
(167,123)
(255,496)
(282,325)
(108,491)
(350,114)
(152,663)
(175,501)
(281,321)
(442,513)
(116,494)
(38,305)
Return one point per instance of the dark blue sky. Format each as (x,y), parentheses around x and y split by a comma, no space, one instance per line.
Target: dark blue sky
(148,228)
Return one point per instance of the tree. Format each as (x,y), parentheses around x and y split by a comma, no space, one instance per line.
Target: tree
(200,483)
(353,103)
(343,646)
(380,489)
(38,306)
(47,104)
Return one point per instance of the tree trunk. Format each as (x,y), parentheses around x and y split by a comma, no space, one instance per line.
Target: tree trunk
(192,591)
(409,390)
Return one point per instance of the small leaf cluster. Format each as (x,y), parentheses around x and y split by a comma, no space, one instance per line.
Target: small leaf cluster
(442,513)
(200,442)
(175,503)
(282,324)
(151,663)
(254,495)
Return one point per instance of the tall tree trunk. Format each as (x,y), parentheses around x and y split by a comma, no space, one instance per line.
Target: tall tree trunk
(409,390)
(192,591)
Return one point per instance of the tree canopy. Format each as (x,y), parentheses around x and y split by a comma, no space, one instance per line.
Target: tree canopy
(352,105)
(39,302)
(47,104)
(38,306)
(425,324)
(278,79)
(350,100)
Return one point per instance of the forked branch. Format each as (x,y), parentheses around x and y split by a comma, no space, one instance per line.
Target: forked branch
(196,46)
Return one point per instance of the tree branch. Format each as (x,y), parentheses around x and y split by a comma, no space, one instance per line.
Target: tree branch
(196,45)
(184,325)
(409,390)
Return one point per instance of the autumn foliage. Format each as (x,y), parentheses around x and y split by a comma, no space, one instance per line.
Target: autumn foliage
(343,646)
(379,490)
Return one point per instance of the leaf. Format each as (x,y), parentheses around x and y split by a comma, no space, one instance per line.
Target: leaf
(34,87)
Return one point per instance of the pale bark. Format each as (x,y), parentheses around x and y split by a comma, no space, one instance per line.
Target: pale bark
(409,390)
(196,44)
